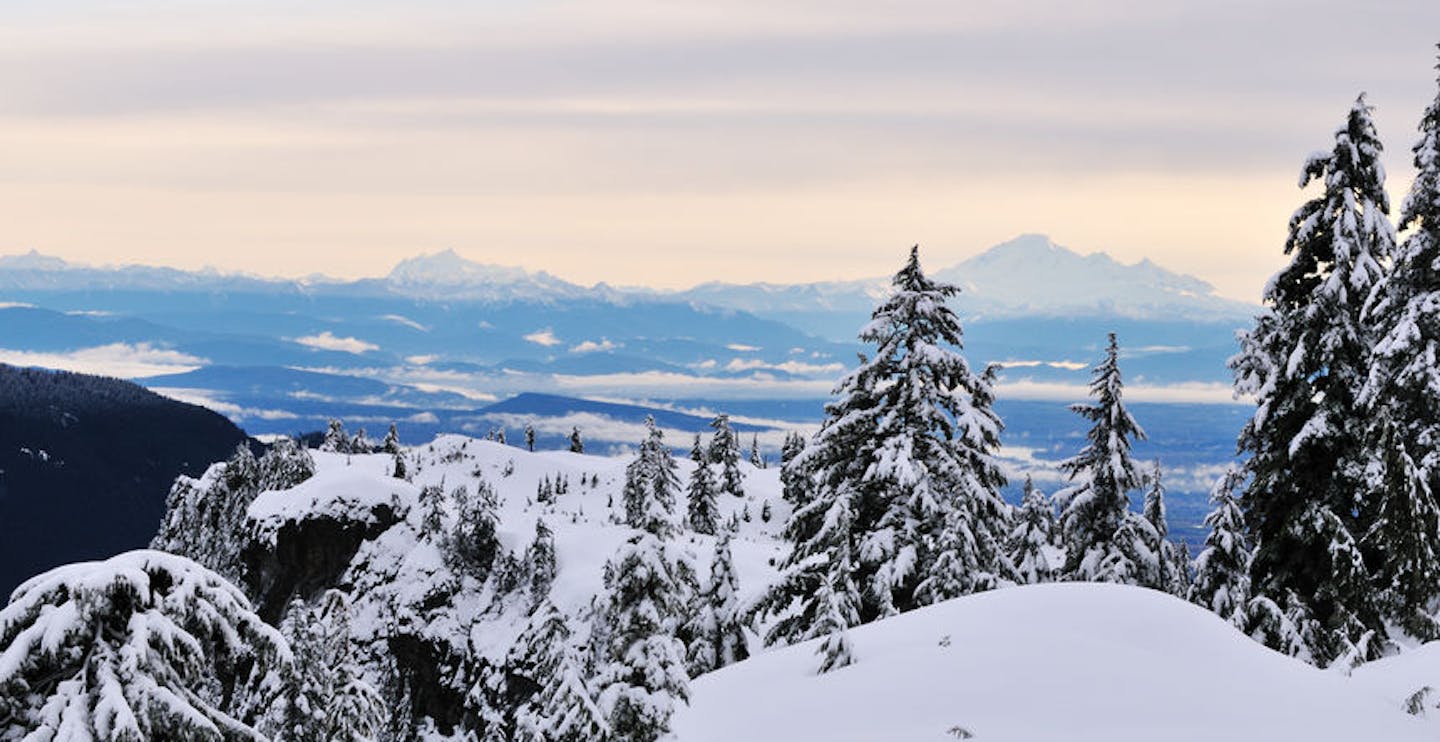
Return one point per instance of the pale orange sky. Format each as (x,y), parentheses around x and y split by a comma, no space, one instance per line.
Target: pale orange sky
(673,143)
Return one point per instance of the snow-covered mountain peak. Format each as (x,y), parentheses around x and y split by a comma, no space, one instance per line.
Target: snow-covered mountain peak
(448,273)
(1024,247)
(448,267)
(1031,274)
(32,261)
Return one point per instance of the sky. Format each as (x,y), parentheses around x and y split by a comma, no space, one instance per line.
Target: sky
(673,142)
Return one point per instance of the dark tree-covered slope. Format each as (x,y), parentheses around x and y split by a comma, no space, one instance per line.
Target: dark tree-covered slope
(86,463)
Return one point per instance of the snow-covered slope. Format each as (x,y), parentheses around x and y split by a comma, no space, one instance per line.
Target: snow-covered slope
(1048,662)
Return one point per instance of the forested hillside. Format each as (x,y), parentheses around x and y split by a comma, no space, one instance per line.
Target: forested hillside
(86,462)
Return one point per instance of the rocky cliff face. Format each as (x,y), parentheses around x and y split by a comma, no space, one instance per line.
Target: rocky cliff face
(305,557)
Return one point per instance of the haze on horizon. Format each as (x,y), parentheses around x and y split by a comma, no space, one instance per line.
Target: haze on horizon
(671,143)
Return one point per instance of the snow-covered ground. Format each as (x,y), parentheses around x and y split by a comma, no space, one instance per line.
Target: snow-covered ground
(1050,662)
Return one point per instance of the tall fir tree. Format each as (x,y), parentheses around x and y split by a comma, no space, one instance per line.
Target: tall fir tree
(902,478)
(793,482)
(336,439)
(577,444)
(1032,540)
(702,510)
(530,437)
(562,707)
(1172,573)
(473,543)
(1104,540)
(541,562)
(205,520)
(284,465)
(328,698)
(1307,505)
(651,485)
(648,586)
(1401,398)
(756,459)
(1222,569)
(643,676)
(725,451)
(361,442)
(716,636)
(391,444)
(432,511)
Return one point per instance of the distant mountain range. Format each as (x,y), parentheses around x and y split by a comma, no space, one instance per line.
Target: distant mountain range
(443,344)
(1027,276)
(441,335)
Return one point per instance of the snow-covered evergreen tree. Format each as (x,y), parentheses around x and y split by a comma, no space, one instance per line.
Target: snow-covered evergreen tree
(1179,573)
(1032,540)
(651,484)
(702,511)
(563,706)
(336,439)
(328,696)
(1104,540)
(540,561)
(1172,573)
(577,444)
(1401,398)
(472,543)
(725,451)
(756,460)
(530,437)
(205,519)
(1305,362)
(907,456)
(716,636)
(1222,569)
(432,511)
(391,444)
(643,676)
(284,465)
(793,482)
(361,443)
(1404,536)
(145,645)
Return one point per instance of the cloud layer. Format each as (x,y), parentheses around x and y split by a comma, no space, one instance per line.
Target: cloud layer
(756,140)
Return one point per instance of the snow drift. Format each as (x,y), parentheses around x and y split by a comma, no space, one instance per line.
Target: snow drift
(1067,662)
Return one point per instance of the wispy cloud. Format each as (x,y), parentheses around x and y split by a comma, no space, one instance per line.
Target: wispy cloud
(328,341)
(352,128)
(799,368)
(591,346)
(1185,392)
(544,337)
(406,321)
(211,401)
(122,360)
